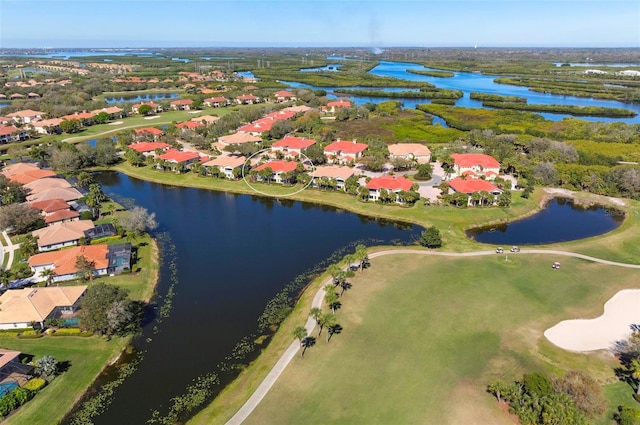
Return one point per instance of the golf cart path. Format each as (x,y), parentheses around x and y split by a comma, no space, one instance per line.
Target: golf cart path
(291,351)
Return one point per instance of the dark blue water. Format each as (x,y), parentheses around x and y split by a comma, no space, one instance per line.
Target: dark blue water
(141,98)
(559,221)
(468,82)
(332,67)
(78,54)
(246,74)
(234,253)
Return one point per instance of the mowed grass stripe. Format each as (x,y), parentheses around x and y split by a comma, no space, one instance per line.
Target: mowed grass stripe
(420,330)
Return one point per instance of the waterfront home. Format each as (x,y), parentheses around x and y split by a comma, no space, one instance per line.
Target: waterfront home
(327,173)
(227,164)
(154,107)
(22,307)
(26,116)
(279,170)
(292,146)
(24,172)
(475,165)
(41,185)
(104,259)
(113,111)
(177,160)
(9,133)
(65,193)
(55,211)
(237,139)
(284,96)
(410,152)
(182,104)
(471,186)
(391,184)
(149,148)
(50,126)
(60,235)
(343,152)
(100,231)
(247,99)
(333,106)
(216,102)
(147,133)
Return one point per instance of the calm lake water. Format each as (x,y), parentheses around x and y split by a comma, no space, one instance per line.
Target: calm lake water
(141,98)
(559,221)
(234,253)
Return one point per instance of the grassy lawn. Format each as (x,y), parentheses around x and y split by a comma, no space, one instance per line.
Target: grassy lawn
(86,357)
(421,331)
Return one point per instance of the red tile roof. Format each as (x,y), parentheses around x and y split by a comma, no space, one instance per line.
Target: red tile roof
(292,142)
(284,93)
(281,115)
(148,146)
(79,116)
(50,205)
(61,215)
(181,102)
(26,113)
(152,104)
(178,156)
(390,183)
(246,97)
(232,161)
(217,99)
(150,130)
(471,159)
(278,166)
(258,126)
(472,185)
(346,147)
(189,125)
(65,261)
(339,104)
(8,130)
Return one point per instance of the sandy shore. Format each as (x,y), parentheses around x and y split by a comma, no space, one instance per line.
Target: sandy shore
(622,310)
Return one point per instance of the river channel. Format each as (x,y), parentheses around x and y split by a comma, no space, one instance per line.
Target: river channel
(234,253)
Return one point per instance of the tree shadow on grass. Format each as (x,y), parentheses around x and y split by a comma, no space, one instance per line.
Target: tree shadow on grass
(333,330)
(307,342)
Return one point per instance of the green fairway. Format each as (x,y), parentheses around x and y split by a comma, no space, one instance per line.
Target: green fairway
(423,336)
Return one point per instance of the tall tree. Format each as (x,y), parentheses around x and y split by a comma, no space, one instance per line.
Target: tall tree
(84,268)
(315,312)
(327,320)
(137,220)
(300,332)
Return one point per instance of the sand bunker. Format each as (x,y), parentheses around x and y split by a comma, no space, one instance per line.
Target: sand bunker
(115,123)
(622,310)
(152,118)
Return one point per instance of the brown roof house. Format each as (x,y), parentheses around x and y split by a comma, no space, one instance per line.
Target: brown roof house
(55,211)
(21,307)
(60,235)
(65,193)
(23,172)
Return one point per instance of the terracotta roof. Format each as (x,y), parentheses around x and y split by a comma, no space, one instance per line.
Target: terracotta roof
(334,171)
(189,125)
(390,183)
(62,232)
(296,109)
(238,138)
(339,104)
(284,93)
(65,193)
(19,168)
(150,103)
(31,176)
(258,126)
(148,146)
(8,130)
(278,166)
(64,261)
(292,142)
(79,116)
(281,115)
(36,304)
(472,185)
(232,161)
(178,156)
(50,205)
(246,97)
(471,159)
(216,99)
(346,147)
(47,123)
(41,185)
(181,102)
(415,149)
(149,130)
(206,118)
(109,110)
(61,215)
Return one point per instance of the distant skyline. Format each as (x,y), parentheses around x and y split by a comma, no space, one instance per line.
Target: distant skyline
(311,23)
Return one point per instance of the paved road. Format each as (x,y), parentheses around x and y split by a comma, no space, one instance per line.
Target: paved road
(291,351)
(10,247)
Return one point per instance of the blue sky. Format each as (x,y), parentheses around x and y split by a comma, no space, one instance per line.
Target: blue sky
(311,23)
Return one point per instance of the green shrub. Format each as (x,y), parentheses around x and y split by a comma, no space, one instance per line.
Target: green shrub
(31,334)
(14,399)
(35,384)
(67,331)
(13,332)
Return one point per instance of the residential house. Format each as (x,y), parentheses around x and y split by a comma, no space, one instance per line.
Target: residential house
(389,183)
(40,185)
(216,102)
(22,307)
(284,96)
(235,139)
(281,115)
(105,259)
(114,112)
(101,231)
(339,173)
(147,133)
(149,148)
(257,127)
(475,165)
(85,118)
(247,99)
(278,168)
(291,146)
(154,107)
(189,125)
(182,104)
(50,126)
(24,172)
(32,95)
(11,368)
(298,109)
(178,160)
(60,235)
(227,164)
(343,152)
(55,211)
(333,106)
(65,193)
(471,186)
(410,151)
(9,134)
(205,119)
(26,116)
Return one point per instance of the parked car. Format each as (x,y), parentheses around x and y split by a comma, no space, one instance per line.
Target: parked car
(515,249)
(499,250)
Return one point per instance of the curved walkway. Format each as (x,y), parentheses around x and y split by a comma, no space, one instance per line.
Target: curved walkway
(9,247)
(291,351)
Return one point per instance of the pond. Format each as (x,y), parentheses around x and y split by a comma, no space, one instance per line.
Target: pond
(560,220)
(140,97)
(233,254)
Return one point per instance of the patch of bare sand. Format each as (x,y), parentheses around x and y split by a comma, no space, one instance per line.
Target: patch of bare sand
(621,311)
(152,118)
(115,123)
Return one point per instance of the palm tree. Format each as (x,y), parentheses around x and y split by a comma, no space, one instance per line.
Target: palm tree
(5,276)
(315,312)
(361,255)
(48,275)
(300,332)
(327,319)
